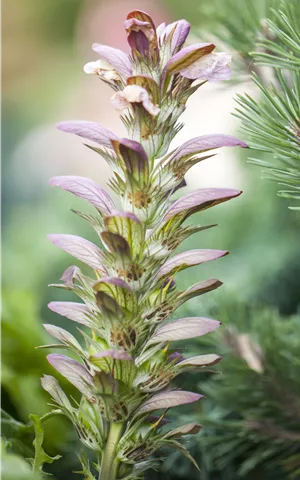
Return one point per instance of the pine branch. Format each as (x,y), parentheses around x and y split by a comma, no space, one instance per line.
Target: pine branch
(257,396)
(252,416)
(238,23)
(273,122)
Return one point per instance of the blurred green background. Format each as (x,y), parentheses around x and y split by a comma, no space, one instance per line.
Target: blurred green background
(45,44)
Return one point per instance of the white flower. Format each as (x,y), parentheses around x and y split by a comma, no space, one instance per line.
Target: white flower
(103,69)
(134,94)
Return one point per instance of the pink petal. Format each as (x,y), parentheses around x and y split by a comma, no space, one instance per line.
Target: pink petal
(188,259)
(87,189)
(187,56)
(204,143)
(118,59)
(182,29)
(73,371)
(89,130)
(115,354)
(51,385)
(61,334)
(77,312)
(199,200)
(200,361)
(79,248)
(169,399)
(213,67)
(183,329)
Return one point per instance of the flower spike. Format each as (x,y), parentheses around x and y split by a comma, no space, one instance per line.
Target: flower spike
(126,365)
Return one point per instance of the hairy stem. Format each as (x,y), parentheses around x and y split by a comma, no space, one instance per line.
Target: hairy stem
(109,466)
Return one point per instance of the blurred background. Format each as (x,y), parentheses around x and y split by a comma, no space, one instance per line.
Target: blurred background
(252,411)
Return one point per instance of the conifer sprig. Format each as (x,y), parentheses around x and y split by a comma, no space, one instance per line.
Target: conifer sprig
(273,122)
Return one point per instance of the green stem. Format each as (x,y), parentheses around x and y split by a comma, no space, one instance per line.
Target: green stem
(110,463)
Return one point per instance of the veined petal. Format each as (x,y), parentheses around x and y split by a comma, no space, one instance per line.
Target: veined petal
(80,248)
(187,56)
(115,57)
(204,143)
(213,67)
(63,335)
(200,361)
(73,371)
(70,275)
(190,327)
(180,30)
(199,200)
(87,189)
(189,429)
(188,259)
(198,289)
(172,398)
(160,30)
(121,214)
(115,354)
(51,385)
(114,281)
(77,312)
(89,130)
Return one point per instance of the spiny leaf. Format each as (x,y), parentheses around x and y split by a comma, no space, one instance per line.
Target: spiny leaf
(40,456)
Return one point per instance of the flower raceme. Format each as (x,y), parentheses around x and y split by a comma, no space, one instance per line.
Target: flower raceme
(126,367)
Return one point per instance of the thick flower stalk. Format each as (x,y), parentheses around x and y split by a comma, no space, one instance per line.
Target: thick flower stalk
(126,363)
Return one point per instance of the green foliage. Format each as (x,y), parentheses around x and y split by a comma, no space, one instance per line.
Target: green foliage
(256,423)
(251,416)
(22,367)
(237,22)
(280,47)
(40,456)
(19,439)
(273,126)
(17,435)
(14,467)
(21,363)
(266,33)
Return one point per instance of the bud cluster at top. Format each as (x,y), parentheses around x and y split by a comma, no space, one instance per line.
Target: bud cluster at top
(127,361)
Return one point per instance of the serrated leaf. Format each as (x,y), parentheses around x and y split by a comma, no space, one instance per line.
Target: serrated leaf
(40,456)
